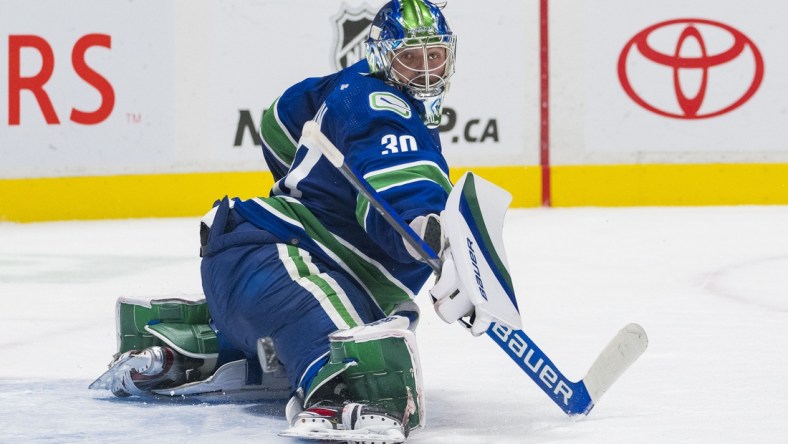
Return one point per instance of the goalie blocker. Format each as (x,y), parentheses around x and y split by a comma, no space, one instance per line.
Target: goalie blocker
(474,285)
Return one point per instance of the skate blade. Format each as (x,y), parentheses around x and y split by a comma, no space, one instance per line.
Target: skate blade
(104,381)
(356,436)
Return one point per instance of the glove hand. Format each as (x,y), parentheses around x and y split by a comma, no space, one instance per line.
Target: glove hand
(454,303)
(429,229)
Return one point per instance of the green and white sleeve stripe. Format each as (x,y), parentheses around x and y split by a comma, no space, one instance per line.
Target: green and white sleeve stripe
(400,175)
(277,138)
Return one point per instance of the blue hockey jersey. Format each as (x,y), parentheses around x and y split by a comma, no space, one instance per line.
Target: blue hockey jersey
(312,206)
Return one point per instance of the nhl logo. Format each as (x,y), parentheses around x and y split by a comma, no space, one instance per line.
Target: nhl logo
(350,33)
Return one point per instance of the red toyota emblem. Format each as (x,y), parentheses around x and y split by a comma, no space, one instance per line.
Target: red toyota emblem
(685,31)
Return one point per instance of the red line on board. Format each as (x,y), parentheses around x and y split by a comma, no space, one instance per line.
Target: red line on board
(544,102)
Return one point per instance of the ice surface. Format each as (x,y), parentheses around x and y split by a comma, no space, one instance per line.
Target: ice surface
(709,285)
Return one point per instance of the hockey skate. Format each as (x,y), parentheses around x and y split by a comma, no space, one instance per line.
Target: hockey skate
(351,422)
(138,372)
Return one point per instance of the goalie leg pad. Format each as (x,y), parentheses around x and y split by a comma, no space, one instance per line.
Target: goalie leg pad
(379,364)
(132,316)
(176,323)
(176,334)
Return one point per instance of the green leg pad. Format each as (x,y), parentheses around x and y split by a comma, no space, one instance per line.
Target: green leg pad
(379,364)
(384,376)
(193,340)
(134,315)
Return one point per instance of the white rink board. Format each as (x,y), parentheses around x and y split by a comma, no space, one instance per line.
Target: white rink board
(183,72)
(136,136)
(600,123)
(262,47)
(614,120)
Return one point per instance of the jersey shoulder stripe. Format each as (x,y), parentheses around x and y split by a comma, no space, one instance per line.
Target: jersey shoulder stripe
(276,137)
(399,176)
(423,169)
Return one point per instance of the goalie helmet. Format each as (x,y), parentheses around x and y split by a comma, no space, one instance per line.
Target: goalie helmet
(411,46)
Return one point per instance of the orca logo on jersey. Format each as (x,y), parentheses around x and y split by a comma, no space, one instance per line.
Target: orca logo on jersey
(383,101)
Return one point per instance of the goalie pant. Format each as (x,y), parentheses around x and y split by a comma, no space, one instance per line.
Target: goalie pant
(258,286)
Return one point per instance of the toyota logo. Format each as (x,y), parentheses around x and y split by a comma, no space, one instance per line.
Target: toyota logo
(713,68)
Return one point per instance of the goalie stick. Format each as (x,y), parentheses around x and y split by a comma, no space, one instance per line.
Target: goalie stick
(574,398)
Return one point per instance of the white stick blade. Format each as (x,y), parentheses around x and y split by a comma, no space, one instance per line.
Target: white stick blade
(620,353)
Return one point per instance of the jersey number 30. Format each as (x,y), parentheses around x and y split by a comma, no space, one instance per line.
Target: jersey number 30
(398,145)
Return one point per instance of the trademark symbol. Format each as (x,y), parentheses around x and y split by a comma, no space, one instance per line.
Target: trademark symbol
(133,118)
